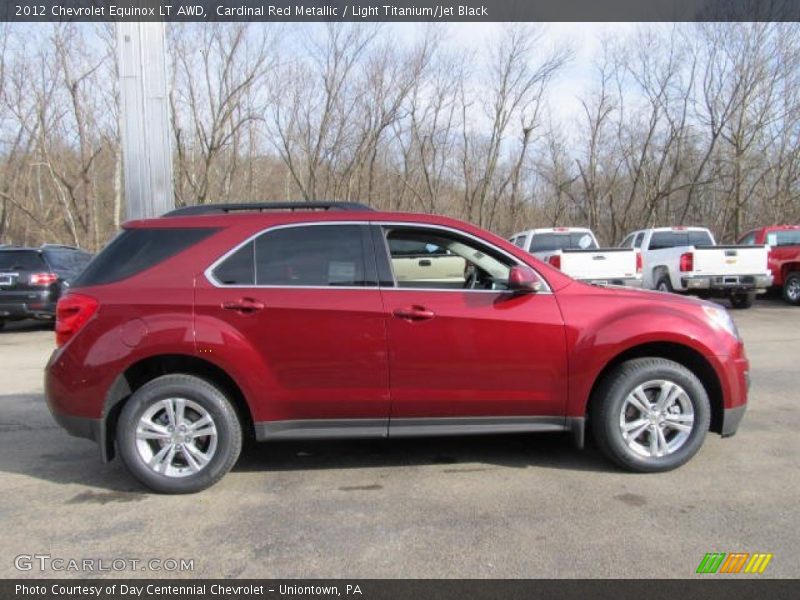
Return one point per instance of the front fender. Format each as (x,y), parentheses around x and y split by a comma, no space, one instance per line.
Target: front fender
(600,328)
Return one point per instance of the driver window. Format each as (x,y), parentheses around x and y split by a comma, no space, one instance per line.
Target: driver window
(434,259)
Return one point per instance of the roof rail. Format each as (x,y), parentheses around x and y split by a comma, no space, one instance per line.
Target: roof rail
(211,209)
(65,246)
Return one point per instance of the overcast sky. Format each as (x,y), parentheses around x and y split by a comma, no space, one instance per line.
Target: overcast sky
(584,38)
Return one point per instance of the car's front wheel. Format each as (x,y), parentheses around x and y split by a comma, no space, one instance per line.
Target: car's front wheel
(650,415)
(179,434)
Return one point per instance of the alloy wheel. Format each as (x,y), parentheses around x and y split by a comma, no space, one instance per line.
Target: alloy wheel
(176,437)
(656,418)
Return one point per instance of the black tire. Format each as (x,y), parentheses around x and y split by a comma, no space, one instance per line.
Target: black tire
(607,405)
(743,299)
(791,288)
(210,399)
(664,284)
(2,323)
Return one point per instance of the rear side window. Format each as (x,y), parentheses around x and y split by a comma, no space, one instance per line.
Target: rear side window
(136,250)
(314,255)
(303,256)
(546,242)
(21,260)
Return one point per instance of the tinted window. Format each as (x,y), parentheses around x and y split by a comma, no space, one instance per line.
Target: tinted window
(749,239)
(520,241)
(21,260)
(546,242)
(239,268)
(627,242)
(135,250)
(638,241)
(672,239)
(700,238)
(315,255)
(70,261)
(784,238)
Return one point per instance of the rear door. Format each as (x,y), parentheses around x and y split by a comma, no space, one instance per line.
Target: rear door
(473,350)
(305,297)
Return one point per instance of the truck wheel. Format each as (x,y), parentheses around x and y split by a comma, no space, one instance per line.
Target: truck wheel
(743,300)
(178,434)
(650,415)
(791,288)
(664,284)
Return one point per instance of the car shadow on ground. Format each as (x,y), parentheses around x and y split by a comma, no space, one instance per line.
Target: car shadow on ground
(519,451)
(33,445)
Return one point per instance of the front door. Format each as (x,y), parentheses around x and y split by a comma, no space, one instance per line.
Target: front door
(461,345)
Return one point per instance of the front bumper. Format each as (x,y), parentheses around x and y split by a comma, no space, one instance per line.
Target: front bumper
(730,283)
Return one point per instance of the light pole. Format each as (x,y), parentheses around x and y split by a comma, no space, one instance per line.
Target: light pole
(144,119)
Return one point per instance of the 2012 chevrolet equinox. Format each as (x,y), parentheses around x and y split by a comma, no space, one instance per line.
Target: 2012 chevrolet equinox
(328,320)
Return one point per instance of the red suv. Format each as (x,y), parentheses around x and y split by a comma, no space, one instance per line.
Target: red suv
(329,320)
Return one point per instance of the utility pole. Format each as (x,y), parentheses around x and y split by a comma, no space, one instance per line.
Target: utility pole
(144,119)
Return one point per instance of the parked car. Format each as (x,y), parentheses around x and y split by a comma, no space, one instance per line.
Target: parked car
(687,259)
(784,257)
(190,331)
(33,279)
(575,251)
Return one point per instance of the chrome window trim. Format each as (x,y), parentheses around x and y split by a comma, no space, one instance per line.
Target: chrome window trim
(208,273)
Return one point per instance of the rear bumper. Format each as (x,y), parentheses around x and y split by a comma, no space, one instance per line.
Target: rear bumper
(33,308)
(730,283)
(631,282)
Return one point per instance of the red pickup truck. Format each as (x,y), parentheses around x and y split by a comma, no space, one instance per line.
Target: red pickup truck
(784,256)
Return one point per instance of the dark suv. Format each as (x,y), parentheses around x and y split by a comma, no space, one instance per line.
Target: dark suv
(33,279)
(191,331)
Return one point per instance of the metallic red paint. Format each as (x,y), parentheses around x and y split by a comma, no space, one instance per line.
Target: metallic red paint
(343,353)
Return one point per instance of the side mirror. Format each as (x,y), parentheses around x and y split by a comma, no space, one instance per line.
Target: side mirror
(524,279)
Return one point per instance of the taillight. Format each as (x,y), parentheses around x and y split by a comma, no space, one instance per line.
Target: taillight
(43,278)
(687,262)
(638,262)
(72,313)
(555,260)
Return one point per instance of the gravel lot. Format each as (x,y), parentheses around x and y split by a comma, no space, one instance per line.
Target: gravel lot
(520,506)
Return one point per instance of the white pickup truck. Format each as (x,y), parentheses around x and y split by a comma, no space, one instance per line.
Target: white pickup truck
(575,251)
(686,259)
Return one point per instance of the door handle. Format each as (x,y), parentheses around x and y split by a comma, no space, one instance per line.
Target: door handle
(414,313)
(244,305)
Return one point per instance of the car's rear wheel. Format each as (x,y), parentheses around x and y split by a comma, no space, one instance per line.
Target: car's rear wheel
(743,299)
(179,434)
(650,415)
(791,288)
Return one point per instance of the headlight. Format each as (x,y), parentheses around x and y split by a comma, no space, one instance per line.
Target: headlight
(720,317)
